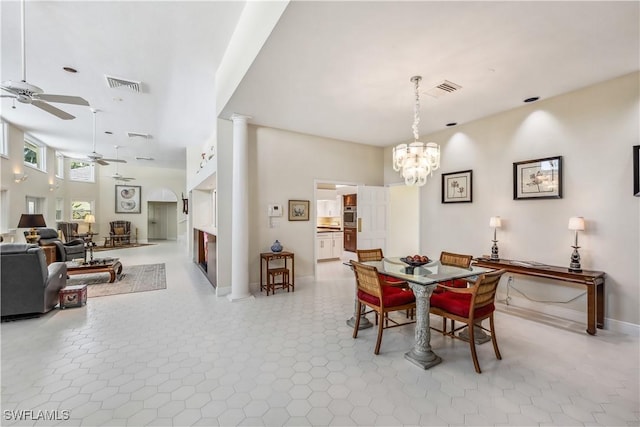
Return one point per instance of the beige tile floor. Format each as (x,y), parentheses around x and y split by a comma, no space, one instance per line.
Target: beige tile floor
(184,357)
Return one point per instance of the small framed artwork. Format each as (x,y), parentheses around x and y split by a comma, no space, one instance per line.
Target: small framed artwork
(128,198)
(457,187)
(538,179)
(298,210)
(636,170)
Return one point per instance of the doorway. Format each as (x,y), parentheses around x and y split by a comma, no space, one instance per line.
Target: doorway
(162,220)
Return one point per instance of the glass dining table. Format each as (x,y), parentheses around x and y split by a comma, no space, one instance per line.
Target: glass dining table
(423,280)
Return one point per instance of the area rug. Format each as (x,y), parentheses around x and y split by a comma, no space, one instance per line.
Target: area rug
(134,278)
(123,246)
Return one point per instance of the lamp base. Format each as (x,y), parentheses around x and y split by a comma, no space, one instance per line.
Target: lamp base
(574,266)
(494,251)
(32,237)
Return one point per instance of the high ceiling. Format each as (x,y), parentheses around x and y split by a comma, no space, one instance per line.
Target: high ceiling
(334,69)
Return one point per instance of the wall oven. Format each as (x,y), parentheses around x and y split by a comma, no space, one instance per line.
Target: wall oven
(349,217)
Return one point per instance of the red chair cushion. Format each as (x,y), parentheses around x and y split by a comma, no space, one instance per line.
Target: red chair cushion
(458,304)
(456,283)
(391,297)
(389,279)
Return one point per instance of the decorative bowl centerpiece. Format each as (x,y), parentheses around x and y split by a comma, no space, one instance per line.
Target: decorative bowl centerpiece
(415,260)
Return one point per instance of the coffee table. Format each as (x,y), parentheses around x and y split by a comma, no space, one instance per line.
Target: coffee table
(113,266)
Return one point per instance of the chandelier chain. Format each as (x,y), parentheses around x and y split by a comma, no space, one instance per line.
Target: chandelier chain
(416,109)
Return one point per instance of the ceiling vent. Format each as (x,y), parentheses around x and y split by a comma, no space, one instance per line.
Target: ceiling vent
(443,88)
(118,83)
(138,135)
(145,158)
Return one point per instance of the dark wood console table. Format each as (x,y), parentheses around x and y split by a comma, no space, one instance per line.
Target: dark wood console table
(592,280)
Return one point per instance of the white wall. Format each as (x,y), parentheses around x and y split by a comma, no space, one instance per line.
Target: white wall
(284,166)
(594,130)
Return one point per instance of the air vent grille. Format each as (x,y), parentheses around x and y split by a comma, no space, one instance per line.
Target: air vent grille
(118,83)
(138,135)
(443,88)
(145,158)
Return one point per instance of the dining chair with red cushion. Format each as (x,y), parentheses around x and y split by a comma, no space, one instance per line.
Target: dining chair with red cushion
(455,260)
(379,299)
(470,306)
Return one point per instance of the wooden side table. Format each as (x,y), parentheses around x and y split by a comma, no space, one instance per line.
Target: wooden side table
(273,271)
(49,253)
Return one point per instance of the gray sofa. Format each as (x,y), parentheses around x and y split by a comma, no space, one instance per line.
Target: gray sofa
(67,251)
(28,285)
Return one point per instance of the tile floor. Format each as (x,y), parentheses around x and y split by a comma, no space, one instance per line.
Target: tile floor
(184,357)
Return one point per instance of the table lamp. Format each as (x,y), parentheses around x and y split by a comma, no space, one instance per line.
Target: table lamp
(32,221)
(576,223)
(90,219)
(495,222)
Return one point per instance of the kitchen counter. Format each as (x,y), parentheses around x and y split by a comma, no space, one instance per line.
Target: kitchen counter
(328,229)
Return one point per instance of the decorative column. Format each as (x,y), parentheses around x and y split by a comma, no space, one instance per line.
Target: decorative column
(240,211)
(421,354)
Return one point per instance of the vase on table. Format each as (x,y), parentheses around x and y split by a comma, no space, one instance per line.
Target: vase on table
(276,247)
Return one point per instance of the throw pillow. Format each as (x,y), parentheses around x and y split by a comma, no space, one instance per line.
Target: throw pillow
(118,231)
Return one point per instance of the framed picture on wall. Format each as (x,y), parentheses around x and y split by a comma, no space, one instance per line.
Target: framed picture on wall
(298,210)
(636,170)
(457,187)
(128,198)
(538,179)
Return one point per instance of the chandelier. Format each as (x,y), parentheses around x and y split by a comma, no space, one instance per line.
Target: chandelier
(418,160)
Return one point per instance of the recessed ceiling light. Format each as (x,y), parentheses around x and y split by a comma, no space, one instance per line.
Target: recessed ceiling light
(70,69)
(452,124)
(532,99)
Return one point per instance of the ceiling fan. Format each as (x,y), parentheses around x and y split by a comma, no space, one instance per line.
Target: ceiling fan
(97,157)
(116,175)
(27,93)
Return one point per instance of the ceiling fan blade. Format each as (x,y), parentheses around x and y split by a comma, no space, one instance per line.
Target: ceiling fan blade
(115,160)
(53,110)
(101,162)
(8,96)
(64,99)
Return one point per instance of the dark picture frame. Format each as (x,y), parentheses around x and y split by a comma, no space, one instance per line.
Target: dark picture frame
(128,199)
(538,179)
(457,187)
(298,210)
(636,170)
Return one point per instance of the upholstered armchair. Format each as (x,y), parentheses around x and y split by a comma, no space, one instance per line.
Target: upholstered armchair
(70,231)
(120,231)
(28,285)
(64,251)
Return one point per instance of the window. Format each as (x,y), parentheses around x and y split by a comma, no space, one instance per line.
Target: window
(80,209)
(59,209)
(34,205)
(81,171)
(59,165)
(34,154)
(4,138)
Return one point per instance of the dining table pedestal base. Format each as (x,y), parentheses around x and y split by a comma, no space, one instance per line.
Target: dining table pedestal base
(421,354)
(480,336)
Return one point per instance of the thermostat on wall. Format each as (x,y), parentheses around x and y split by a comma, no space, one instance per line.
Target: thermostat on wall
(275,210)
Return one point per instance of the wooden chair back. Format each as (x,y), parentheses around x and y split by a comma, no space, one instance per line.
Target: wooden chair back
(484,290)
(456,260)
(367,279)
(365,255)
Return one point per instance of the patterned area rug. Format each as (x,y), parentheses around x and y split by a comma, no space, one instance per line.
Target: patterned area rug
(134,278)
(123,246)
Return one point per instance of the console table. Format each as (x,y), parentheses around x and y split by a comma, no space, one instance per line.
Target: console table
(288,279)
(592,280)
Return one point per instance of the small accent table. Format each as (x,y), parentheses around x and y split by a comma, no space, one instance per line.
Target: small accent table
(111,266)
(592,280)
(49,253)
(288,280)
(73,296)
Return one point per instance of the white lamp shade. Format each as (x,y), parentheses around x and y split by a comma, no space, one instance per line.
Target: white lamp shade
(90,219)
(495,222)
(576,223)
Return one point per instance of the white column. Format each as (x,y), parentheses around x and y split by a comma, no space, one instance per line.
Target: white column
(240,211)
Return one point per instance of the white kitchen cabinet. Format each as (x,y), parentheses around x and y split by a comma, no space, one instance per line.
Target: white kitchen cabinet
(328,208)
(329,245)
